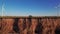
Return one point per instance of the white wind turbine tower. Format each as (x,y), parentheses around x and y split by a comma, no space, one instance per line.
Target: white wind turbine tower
(3,7)
(58,7)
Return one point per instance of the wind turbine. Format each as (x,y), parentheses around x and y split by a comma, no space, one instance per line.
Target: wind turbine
(58,7)
(3,7)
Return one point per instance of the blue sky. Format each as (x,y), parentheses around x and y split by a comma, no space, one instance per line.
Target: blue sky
(30,7)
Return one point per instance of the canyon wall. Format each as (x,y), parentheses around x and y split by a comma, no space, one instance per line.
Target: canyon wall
(30,25)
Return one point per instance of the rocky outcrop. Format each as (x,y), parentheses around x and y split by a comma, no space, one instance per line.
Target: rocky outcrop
(30,25)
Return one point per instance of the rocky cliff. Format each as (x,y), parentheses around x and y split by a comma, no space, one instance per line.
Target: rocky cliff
(29,25)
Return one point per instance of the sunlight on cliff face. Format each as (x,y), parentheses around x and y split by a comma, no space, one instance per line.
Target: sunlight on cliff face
(29,26)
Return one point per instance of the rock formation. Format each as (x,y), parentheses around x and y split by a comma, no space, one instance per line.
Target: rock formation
(29,25)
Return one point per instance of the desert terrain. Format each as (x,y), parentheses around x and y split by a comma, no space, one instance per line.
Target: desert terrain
(30,25)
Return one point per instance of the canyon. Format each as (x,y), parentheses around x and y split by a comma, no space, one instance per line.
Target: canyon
(30,25)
